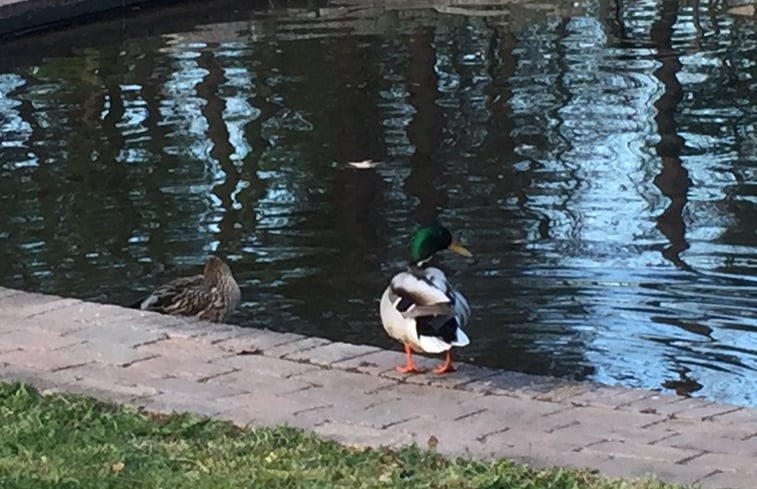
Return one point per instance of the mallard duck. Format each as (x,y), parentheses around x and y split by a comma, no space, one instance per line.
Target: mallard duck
(420,308)
(213,296)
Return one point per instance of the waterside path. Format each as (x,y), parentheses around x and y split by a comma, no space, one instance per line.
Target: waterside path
(351,393)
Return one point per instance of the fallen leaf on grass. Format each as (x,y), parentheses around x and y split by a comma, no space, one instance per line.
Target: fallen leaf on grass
(432,442)
(355,447)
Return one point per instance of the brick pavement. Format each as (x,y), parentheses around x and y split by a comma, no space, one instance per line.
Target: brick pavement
(351,393)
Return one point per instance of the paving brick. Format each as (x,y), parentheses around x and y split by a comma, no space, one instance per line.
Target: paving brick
(106,353)
(648,468)
(520,406)
(537,415)
(378,410)
(497,440)
(729,462)
(177,403)
(172,326)
(190,349)
(8,292)
(679,406)
(121,332)
(258,382)
(544,455)
(108,392)
(302,345)
(419,395)
(26,304)
(258,341)
(521,442)
(731,480)
(564,393)
(738,415)
(393,399)
(388,406)
(598,396)
(307,421)
(671,423)
(454,440)
(716,438)
(36,339)
(467,430)
(267,410)
(610,396)
(80,316)
(634,399)
(59,306)
(258,408)
(191,390)
(39,379)
(331,353)
(222,332)
(696,408)
(349,381)
(641,451)
(576,421)
(262,365)
(515,384)
(12,324)
(465,375)
(40,359)
(113,375)
(352,434)
(181,367)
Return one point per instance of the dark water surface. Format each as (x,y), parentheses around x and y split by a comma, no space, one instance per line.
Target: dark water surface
(599,159)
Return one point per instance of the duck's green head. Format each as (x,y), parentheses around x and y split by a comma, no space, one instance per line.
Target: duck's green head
(432,239)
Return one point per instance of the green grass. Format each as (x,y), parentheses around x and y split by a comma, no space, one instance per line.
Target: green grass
(65,441)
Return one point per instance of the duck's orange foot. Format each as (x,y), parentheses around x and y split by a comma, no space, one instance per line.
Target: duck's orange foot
(446,366)
(408,369)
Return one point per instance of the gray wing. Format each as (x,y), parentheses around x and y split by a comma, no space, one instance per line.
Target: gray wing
(456,299)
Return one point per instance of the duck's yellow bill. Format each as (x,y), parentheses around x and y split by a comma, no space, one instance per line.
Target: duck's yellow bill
(460,249)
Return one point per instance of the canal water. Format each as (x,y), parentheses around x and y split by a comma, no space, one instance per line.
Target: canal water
(598,158)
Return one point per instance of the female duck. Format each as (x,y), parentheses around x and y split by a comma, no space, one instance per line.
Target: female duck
(212,296)
(420,308)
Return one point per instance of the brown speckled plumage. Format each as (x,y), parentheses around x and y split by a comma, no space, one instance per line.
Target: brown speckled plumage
(213,296)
